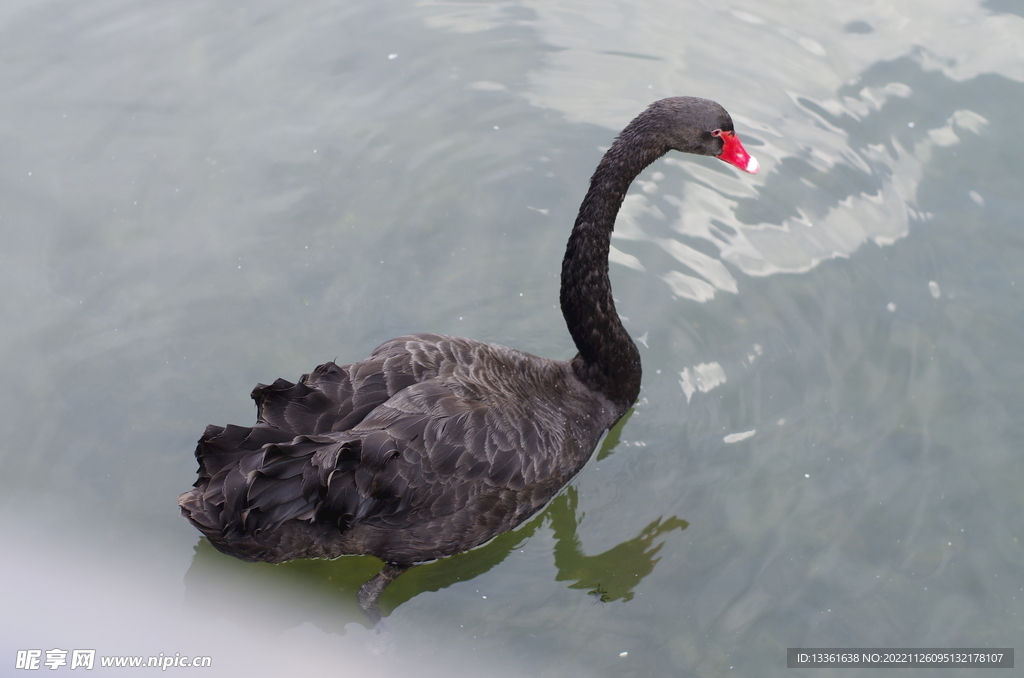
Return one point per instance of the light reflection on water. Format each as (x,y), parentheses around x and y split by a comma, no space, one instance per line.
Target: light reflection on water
(825,449)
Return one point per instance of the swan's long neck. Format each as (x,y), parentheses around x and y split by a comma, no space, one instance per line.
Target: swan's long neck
(608,360)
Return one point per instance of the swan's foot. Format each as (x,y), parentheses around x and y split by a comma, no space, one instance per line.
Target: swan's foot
(369,593)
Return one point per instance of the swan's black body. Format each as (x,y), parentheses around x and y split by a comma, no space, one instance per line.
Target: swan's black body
(434,444)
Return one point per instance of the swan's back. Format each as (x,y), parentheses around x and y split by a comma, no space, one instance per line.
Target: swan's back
(429,447)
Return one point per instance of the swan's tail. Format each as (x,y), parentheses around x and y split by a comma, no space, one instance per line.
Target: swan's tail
(248,485)
(225,456)
(252,481)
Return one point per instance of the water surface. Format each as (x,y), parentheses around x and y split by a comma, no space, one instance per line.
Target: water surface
(826,451)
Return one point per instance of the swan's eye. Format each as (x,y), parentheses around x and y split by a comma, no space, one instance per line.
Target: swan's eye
(717,133)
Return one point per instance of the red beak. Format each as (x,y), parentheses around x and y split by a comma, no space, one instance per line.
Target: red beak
(734,153)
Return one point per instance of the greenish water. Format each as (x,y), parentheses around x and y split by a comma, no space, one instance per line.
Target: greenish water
(826,452)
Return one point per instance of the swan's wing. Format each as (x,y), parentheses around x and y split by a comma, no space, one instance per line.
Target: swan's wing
(337,397)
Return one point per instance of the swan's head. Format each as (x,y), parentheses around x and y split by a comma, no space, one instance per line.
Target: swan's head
(694,125)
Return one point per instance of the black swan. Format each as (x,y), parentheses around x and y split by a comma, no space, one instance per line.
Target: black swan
(434,444)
